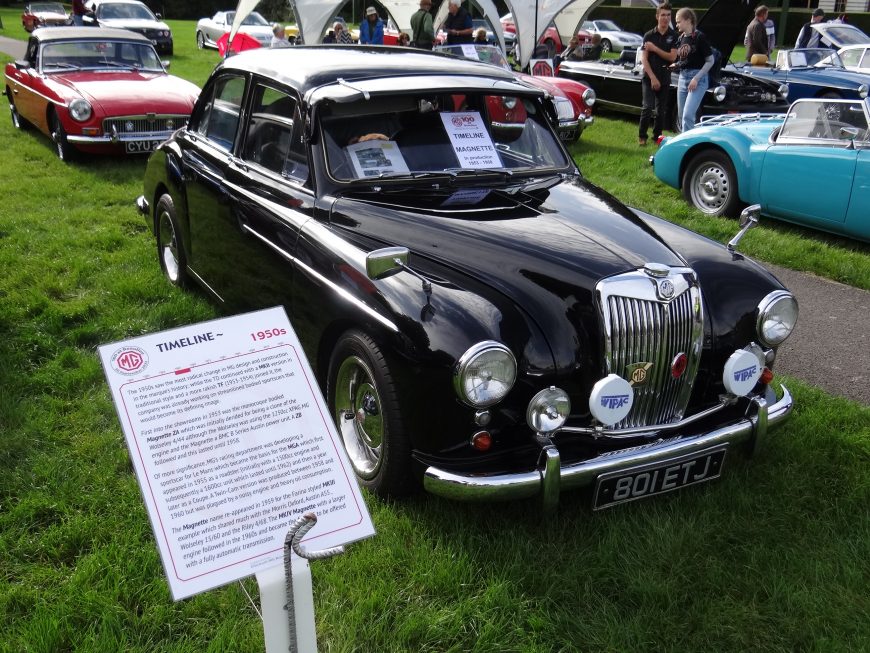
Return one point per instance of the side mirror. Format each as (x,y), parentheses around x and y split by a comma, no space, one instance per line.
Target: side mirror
(159,16)
(385,262)
(748,220)
(165,64)
(22,64)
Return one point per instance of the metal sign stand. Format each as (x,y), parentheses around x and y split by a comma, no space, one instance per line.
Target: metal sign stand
(287,600)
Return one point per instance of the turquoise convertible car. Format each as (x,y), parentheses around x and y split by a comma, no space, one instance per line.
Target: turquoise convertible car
(810,166)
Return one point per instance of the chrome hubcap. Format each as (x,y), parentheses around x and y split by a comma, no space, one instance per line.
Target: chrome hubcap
(359,416)
(710,188)
(168,247)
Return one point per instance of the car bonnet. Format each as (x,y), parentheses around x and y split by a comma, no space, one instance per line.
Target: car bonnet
(724,24)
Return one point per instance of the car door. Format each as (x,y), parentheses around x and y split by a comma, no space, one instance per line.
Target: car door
(207,148)
(30,103)
(807,175)
(217,27)
(273,193)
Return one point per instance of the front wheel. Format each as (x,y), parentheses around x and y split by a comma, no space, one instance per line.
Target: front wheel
(200,40)
(17,121)
(710,184)
(170,243)
(606,46)
(65,151)
(364,403)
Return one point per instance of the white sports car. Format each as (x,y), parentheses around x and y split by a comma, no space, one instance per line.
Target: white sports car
(613,37)
(209,30)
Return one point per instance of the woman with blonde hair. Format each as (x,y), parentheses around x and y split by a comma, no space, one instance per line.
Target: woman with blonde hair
(694,61)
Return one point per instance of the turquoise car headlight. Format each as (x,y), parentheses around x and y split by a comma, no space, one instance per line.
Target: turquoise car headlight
(862,91)
(80,110)
(777,316)
(485,373)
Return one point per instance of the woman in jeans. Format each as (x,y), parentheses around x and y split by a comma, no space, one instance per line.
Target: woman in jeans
(694,61)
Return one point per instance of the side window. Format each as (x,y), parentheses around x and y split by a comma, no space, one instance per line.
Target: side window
(31,53)
(219,120)
(269,138)
(851,57)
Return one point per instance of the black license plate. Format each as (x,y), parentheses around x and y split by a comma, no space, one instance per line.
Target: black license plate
(657,478)
(136,147)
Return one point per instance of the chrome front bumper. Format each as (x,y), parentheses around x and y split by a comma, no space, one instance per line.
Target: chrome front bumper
(551,477)
(109,139)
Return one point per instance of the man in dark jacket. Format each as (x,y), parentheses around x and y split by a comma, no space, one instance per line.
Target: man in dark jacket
(756,34)
(458,23)
(808,37)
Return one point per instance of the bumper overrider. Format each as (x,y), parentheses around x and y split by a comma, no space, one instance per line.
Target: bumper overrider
(551,477)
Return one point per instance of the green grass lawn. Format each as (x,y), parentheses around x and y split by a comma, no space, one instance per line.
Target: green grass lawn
(775,556)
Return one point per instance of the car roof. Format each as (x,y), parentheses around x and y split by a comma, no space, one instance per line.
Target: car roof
(46,34)
(309,67)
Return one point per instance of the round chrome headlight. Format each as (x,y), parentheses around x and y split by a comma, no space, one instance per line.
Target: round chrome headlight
(777,316)
(783,91)
(862,91)
(548,410)
(589,97)
(719,93)
(80,110)
(485,374)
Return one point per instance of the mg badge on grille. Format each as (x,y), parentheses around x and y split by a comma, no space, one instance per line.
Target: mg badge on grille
(666,288)
(638,373)
(129,126)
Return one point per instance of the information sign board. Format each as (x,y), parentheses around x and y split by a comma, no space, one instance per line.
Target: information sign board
(231,441)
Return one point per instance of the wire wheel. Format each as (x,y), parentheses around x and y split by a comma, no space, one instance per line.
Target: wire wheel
(62,148)
(710,184)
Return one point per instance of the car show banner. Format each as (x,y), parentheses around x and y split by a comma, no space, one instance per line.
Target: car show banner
(231,442)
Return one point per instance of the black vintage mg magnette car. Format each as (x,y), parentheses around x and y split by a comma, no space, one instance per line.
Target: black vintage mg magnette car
(483,321)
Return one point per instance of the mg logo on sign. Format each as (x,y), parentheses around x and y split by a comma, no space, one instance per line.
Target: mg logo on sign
(129,360)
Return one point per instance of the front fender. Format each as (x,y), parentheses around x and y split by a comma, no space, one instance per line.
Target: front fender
(675,154)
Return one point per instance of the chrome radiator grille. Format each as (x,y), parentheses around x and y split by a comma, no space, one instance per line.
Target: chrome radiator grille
(144,124)
(649,320)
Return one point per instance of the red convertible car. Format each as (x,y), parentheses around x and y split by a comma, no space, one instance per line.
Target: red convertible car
(96,90)
(573,100)
(43,14)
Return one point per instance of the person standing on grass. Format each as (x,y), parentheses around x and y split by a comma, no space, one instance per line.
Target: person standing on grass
(458,24)
(694,61)
(808,37)
(658,52)
(756,34)
(78,12)
(371,31)
(422,30)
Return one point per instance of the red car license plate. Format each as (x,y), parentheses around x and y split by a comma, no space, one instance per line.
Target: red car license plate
(135,147)
(657,478)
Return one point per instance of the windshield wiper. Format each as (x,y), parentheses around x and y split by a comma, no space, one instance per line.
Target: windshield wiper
(118,64)
(63,64)
(470,172)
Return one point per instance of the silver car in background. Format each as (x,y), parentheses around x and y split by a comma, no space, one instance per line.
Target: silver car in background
(209,30)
